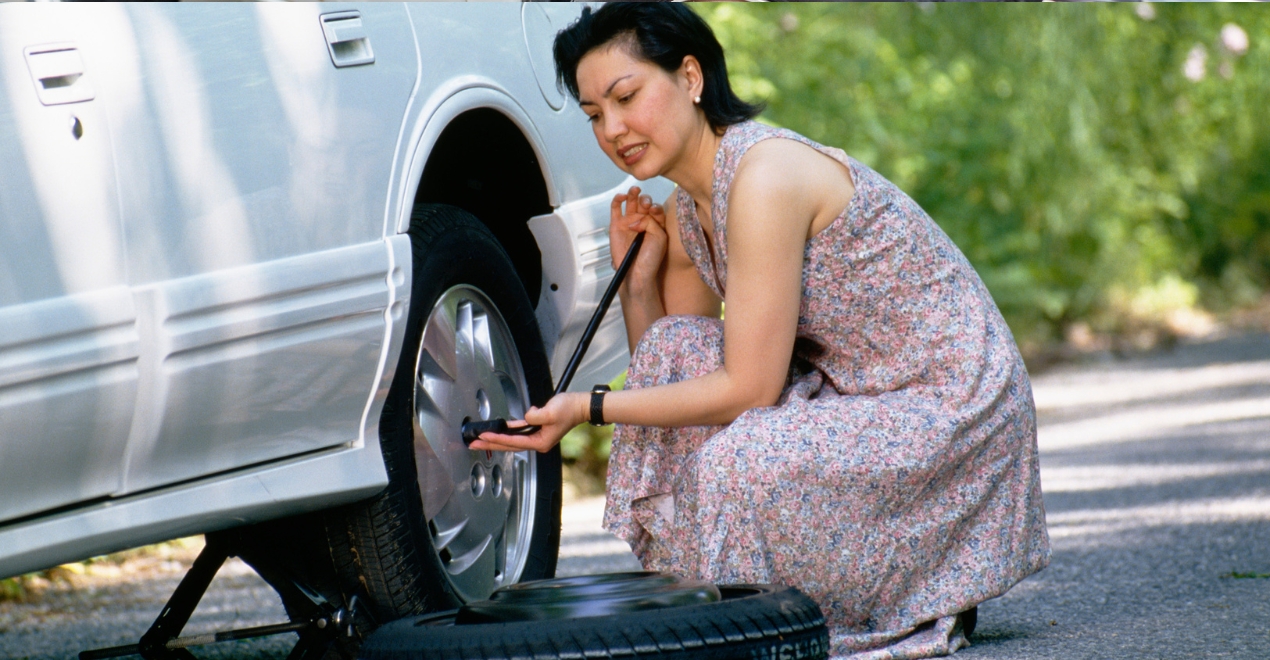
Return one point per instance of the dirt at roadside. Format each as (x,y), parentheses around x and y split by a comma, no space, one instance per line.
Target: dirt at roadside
(111,600)
(146,563)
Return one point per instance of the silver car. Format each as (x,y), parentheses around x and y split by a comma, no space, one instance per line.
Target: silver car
(258,263)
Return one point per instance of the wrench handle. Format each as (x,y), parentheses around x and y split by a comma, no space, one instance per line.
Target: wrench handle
(473,430)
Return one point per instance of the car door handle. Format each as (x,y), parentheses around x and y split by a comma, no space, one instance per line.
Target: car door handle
(346,39)
(58,72)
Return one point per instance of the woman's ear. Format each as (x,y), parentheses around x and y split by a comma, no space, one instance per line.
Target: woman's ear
(690,76)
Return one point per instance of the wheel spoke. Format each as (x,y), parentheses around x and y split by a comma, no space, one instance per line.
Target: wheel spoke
(482,345)
(496,395)
(443,536)
(438,344)
(465,348)
(465,561)
(436,486)
(435,388)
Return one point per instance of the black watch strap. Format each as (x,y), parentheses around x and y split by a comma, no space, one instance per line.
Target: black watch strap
(597,404)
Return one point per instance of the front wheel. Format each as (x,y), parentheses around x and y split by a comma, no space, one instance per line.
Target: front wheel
(454,524)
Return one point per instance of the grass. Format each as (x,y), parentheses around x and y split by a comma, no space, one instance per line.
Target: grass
(1236,575)
(23,588)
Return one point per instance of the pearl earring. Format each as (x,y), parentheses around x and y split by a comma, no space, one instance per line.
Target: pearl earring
(697,100)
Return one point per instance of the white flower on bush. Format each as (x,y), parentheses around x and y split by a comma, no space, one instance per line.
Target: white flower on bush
(1196,66)
(1234,38)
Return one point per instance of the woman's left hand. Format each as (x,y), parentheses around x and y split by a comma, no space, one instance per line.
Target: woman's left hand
(558,417)
(631,214)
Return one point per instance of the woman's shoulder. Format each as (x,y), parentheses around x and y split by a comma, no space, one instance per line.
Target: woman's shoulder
(778,151)
(776,163)
(790,162)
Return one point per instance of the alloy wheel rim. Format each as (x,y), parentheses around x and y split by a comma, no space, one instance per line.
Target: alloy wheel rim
(479,505)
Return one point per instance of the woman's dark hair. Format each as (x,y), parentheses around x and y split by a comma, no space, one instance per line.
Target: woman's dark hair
(661,33)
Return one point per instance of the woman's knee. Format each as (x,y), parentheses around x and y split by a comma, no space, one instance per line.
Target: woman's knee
(676,348)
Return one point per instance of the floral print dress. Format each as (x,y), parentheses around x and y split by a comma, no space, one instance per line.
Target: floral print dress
(895,481)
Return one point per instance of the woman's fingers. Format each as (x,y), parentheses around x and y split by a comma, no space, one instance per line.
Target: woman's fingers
(615,209)
(553,420)
(631,214)
(496,442)
(634,206)
(658,214)
(653,212)
(656,217)
(503,442)
(651,227)
(634,201)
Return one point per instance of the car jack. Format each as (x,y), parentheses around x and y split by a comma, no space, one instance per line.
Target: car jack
(319,624)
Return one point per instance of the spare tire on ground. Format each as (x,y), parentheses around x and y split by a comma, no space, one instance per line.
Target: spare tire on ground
(616,615)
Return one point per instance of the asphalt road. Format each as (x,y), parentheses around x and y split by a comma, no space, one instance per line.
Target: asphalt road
(1156,474)
(1156,478)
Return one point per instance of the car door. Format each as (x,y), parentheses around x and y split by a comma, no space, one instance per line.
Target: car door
(255,145)
(68,336)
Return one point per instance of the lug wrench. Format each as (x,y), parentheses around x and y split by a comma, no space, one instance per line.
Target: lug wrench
(473,430)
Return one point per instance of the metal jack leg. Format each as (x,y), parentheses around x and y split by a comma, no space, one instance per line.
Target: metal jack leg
(319,624)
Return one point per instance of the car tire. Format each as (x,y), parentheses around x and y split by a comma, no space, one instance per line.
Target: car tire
(401,550)
(749,621)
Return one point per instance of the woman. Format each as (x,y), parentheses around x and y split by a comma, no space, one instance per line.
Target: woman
(889,469)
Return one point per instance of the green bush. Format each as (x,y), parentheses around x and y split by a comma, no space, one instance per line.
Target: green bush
(1064,148)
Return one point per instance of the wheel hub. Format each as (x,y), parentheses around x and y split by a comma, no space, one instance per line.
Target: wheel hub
(478,504)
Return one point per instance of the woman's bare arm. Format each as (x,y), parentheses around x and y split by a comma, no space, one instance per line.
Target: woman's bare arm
(771,213)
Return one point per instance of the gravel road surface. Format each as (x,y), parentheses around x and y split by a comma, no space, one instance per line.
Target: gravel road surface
(1156,473)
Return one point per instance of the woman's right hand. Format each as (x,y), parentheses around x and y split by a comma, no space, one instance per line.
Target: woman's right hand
(629,215)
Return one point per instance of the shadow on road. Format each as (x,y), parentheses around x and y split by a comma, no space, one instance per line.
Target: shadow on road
(1156,475)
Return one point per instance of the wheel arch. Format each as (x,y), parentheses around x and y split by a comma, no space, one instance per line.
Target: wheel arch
(479,151)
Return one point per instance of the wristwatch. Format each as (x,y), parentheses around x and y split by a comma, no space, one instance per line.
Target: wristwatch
(597,404)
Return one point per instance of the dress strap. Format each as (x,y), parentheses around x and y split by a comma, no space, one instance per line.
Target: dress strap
(694,240)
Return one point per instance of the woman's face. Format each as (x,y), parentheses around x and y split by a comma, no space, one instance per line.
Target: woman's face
(642,115)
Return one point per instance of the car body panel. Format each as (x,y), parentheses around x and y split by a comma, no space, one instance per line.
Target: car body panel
(254,363)
(68,342)
(254,171)
(317,480)
(226,317)
(238,140)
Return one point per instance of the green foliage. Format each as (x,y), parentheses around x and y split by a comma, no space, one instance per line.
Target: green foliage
(12,589)
(1063,147)
(1236,575)
(28,587)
